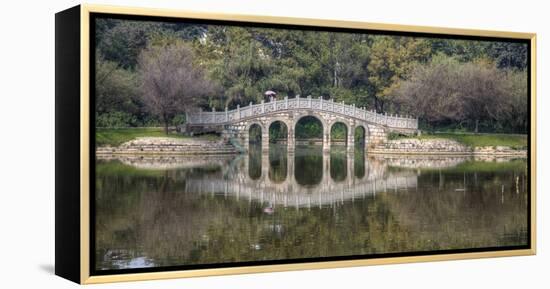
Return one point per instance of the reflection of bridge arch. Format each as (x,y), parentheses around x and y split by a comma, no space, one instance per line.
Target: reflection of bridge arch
(231,177)
(290,193)
(278,164)
(371,168)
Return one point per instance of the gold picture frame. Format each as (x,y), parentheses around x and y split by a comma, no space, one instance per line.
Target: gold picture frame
(67,239)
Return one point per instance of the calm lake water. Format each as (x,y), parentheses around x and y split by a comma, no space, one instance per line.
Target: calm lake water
(166,211)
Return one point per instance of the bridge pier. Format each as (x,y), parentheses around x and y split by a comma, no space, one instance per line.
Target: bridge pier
(351,169)
(326,165)
(290,139)
(290,170)
(246,144)
(326,138)
(265,140)
(265,166)
(351,139)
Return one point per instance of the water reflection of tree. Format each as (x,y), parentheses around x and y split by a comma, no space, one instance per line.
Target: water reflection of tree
(147,214)
(359,163)
(308,162)
(255,161)
(278,163)
(152,215)
(338,163)
(465,210)
(423,220)
(255,134)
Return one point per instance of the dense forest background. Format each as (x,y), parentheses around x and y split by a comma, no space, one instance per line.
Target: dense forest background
(150,73)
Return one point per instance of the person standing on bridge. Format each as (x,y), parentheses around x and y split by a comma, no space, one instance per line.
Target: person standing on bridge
(270,95)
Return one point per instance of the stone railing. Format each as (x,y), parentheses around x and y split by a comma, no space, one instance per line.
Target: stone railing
(319,104)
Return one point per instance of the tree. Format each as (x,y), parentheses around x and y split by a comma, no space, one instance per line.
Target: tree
(481,88)
(123,42)
(241,66)
(364,69)
(115,91)
(447,92)
(509,54)
(431,92)
(515,109)
(170,82)
(462,50)
(391,59)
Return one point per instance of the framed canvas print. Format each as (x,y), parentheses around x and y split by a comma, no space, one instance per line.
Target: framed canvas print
(194,144)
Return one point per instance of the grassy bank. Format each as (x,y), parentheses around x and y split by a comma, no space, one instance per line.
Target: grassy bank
(514,141)
(115,137)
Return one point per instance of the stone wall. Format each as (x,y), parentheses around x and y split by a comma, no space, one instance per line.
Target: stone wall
(441,146)
(163,145)
(376,135)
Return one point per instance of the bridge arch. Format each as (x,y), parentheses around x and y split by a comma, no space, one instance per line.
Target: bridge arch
(361,135)
(280,128)
(318,118)
(255,131)
(310,113)
(252,123)
(334,127)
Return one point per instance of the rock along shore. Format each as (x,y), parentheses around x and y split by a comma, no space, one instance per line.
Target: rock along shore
(195,146)
(168,146)
(441,147)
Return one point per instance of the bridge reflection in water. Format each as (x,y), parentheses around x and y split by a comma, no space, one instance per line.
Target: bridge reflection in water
(181,210)
(324,178)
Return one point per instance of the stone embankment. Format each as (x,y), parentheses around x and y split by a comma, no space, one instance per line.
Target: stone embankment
(174,146)
(441,147)
(169,161)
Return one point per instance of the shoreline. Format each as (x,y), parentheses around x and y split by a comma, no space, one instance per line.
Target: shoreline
(104,152)
(519,153)
(166,146)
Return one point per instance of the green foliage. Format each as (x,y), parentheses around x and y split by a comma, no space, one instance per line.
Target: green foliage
(115,119)
(170,81)
(509,55)
(115,89)
(114,137)
(123,42)
(338,131)
(308,128)
(241,63)
(179,119)
(359,136)
(446,93)
(463,50)
(278,131)
(395,135)
(255,134)
(392,58)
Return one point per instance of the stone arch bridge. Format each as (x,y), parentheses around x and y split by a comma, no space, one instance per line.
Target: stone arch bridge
(235,124)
